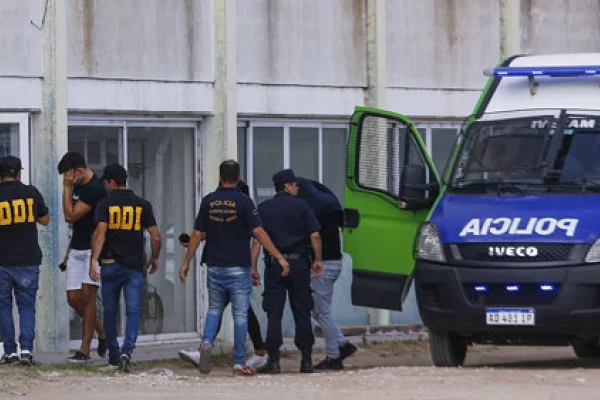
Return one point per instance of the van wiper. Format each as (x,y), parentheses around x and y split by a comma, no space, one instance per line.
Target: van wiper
(500,185)
(586,183)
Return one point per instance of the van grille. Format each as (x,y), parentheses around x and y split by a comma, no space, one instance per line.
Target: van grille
(481,252)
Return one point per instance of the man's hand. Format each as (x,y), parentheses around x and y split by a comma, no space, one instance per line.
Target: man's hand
(285,266)
(68,178)
(318,268)
(255,277)
(152,266)
(94,274)
(183,272)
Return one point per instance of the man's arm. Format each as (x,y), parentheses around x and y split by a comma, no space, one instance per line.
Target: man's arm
(73,212)
(155,244)
(45,220)
(315,241)
(98,238)
(254,253)
(263,237)
(195,239)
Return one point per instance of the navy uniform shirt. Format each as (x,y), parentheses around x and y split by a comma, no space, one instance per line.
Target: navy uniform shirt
(89,193)
(227,216)
(289,221)
(127,215)
(20,207)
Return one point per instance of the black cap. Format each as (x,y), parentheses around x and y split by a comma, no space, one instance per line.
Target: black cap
(284,176)
(114,172)
(10,165)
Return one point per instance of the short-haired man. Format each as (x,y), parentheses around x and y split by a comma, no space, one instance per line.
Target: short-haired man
(119,243)
(82,190)
(22,207)
(295,230)
(226,220)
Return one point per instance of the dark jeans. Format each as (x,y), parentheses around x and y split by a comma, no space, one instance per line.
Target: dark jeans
(116,277)
(253,328)
(297,286)
(24,282)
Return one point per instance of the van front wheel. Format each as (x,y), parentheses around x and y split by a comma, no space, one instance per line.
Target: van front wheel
(447,349)
(587,350)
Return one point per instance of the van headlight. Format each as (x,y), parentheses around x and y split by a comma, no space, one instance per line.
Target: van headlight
(428,245)
(593,254)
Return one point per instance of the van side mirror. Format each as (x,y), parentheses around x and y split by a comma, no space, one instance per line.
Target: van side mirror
(415,192)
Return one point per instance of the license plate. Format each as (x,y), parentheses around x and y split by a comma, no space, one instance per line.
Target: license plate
(510,316)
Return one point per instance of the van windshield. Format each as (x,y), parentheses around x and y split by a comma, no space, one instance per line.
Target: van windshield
(528,154)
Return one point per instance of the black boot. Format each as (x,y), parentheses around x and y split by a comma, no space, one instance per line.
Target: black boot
(271,367)
(330,364)
(306,365)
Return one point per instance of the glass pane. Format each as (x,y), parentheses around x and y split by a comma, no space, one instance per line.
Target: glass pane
(268,159)
(242,150)
(86,140)
(160,166)
(442,142)
(334,160)
(423,133)
(99,145)
(9,140)
(304,152)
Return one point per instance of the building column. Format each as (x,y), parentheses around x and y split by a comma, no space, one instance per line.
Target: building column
(219,131)
(376,97)
(510,28)
(49,138)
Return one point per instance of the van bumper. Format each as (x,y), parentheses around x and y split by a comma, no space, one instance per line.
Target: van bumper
(448,300)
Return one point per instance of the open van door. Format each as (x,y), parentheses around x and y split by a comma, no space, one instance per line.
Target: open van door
(391,184)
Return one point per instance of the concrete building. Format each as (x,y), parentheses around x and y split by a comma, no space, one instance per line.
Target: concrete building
(172,87)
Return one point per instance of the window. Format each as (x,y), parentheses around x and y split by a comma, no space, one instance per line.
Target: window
(439,139)
(312,149)
(160,161)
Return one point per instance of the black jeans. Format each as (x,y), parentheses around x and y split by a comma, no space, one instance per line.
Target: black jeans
(253,328)
(297,286)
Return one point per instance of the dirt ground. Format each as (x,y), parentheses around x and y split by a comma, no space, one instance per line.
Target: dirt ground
(400,370)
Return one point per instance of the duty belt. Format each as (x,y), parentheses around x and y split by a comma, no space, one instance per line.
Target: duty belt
(287,256)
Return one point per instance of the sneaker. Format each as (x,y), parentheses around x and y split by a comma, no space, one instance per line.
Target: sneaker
(10,359)
(243,370)
(125,363)
(330,364)
(192,357)
(27,358)
(101,347)
(79,358)
(346,350)
(257,361)
(205,363)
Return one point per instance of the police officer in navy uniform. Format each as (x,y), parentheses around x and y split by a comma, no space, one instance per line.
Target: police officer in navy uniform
(294,229)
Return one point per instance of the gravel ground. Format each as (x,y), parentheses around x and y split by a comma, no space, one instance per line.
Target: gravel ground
(386,371)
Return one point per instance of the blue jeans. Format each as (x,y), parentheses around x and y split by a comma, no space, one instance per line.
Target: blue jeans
(236,282)
(323,296)
(114,278)
(24,282)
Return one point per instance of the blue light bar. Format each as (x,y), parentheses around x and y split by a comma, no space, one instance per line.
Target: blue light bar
(547,288)
(512,288)
(480,288)
(566,71)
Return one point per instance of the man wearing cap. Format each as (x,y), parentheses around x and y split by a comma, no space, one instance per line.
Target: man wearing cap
(82,190)
(22,207)
(227,219)
(329,213)
(118,241)
(295,230)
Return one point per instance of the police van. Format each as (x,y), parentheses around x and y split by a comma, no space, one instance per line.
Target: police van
(503,245)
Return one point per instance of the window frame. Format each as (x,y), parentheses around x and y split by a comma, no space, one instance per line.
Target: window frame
(285,124)
(124,123)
